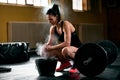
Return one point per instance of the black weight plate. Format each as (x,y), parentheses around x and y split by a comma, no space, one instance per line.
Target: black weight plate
(93,53)
(110,48)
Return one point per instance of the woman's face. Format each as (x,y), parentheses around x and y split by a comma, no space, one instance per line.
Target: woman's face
(52,19)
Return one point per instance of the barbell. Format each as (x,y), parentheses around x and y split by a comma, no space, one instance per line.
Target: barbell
(91,59)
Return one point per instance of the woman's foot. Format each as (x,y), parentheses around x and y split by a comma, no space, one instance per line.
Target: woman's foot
(63,66)
(73,70)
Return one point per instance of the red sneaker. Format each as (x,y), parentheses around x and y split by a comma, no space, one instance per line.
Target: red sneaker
(73,70)
(63,66)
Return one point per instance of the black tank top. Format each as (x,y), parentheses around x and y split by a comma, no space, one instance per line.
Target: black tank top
(75,41)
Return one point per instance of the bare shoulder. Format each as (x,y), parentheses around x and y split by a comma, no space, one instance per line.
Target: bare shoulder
(52,28)
(67,23)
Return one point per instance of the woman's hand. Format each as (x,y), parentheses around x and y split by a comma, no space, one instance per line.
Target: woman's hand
(49,47)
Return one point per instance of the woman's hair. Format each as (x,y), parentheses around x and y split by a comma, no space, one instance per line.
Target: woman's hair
(54,11)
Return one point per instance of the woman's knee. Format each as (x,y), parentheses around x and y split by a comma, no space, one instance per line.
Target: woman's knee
(65,51)
(69,52)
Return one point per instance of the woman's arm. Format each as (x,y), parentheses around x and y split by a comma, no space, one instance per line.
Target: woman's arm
(67,37)
(51,32)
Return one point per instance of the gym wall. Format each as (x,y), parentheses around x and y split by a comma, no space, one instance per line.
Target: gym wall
(31,14)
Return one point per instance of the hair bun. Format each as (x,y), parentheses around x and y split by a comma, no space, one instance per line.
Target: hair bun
(56,8)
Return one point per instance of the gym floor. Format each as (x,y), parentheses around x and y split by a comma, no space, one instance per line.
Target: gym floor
(28,71)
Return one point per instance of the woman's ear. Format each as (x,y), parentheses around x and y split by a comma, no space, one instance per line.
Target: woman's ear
(57,17)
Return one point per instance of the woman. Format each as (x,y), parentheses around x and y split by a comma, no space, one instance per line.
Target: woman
(68,41)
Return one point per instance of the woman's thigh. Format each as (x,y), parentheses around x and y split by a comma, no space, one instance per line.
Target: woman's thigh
(72,49)
(69,51)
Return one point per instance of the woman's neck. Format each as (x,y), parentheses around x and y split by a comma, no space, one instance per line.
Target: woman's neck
(59,24)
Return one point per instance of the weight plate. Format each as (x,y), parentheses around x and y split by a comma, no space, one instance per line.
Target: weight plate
(110,48)
(90,59)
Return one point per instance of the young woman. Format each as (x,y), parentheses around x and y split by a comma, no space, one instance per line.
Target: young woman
(63,32)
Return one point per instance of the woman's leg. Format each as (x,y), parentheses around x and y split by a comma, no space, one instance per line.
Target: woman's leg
(69,52)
